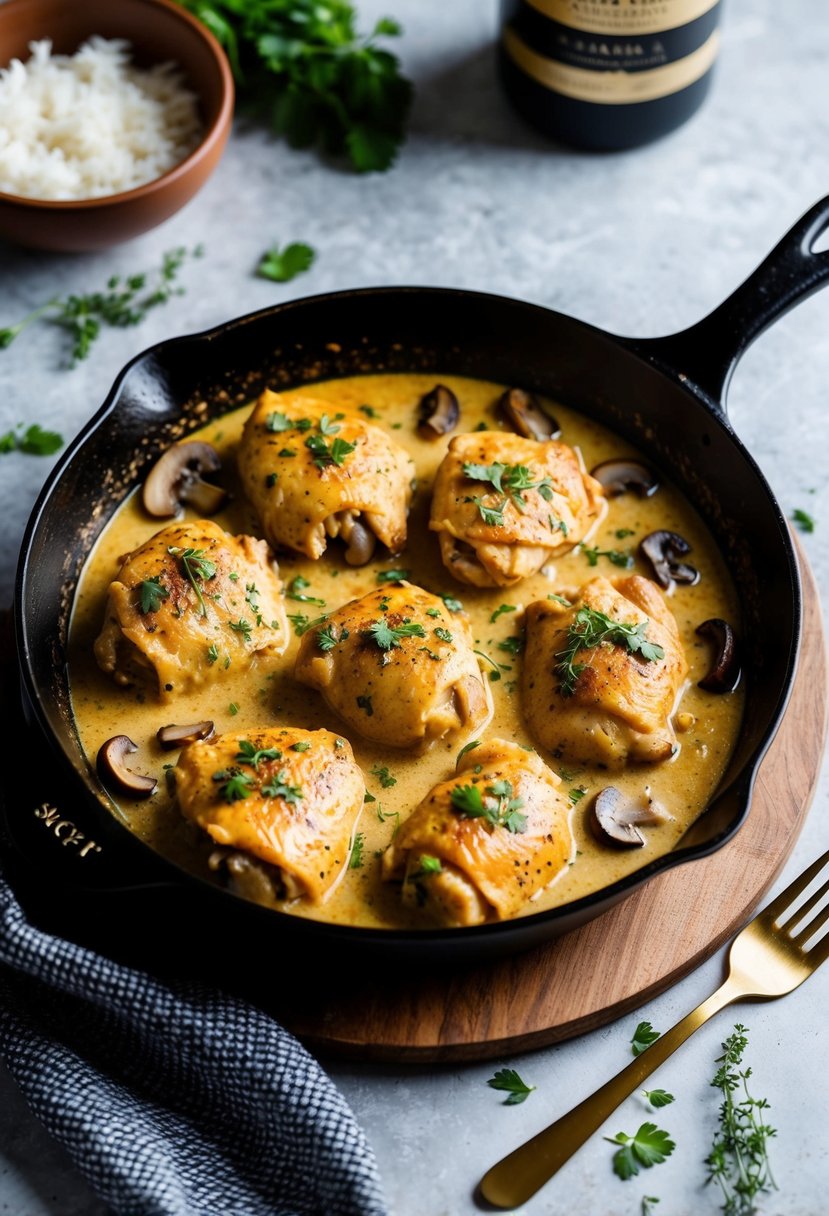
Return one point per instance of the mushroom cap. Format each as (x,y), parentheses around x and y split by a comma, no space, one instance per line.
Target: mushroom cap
(724,674)
(526,416)
(622,474)
(177,478)
(439,412)
(172,736)
(113,771)
(664,551)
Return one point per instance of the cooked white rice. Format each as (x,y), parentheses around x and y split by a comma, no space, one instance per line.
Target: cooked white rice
(90,124)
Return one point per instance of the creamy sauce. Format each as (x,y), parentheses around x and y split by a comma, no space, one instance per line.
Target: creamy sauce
(267,694)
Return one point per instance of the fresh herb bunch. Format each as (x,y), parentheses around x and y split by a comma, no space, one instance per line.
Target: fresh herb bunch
(591,628)
(739,1160)
(124,302)
(301,65)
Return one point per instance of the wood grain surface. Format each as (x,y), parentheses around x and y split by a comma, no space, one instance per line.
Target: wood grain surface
(611,965)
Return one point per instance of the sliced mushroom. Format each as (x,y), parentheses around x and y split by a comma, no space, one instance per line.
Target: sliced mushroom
(664,550)
(524,413)
(725,672)
(360,541)
(439,412)
(618,476)
(179,736)
(615,821)
(177,479)
(113,771)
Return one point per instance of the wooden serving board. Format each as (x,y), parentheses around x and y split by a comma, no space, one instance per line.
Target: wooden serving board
(611,965)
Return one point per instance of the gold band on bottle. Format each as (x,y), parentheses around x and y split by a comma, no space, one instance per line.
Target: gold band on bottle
(623,17)
(611,87)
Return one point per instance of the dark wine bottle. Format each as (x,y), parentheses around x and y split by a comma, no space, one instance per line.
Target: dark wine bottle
(608,74)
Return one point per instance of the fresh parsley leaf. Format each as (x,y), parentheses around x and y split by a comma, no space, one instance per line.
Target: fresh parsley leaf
(442,634)
(368,410)
(428,866)
(510,480)
(278,422)
(577,794)
(590,629)
(248,754)
(468,748)
(620,534)
(618,557)
(195,567)
(643,1036)
(560,599)
(512,645)
(233,709)
(242,627)
(325,455)
(234,785)
(152,594)
(392,576)
(296,591)
(302,623)
(508,1080)
(649,1202)
(282,265)
(803,520)
(277,787)
(212,654)
(355,860)
(498,807)
(500,610)
(36,442)
(388,637)
(301,746)
(648,1147)
(383,775)
(493,517)
(327,639)
(658,1097)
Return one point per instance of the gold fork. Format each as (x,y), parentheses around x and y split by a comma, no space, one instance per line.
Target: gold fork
(766,959)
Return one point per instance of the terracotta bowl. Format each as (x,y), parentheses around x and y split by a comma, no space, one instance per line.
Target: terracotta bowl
(158,30)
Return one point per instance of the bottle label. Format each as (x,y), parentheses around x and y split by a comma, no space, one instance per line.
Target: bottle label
(619,68)
(623,16)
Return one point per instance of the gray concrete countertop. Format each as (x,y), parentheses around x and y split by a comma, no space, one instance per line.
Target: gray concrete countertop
(640,243)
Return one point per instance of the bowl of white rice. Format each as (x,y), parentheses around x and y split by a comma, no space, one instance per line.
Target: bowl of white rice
(113,113)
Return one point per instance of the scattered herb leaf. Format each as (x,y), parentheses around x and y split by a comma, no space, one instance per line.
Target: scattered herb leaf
(508,1080)
(282,265)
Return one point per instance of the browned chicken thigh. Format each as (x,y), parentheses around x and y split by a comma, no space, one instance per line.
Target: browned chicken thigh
(503,505)
(397,666)
(602,676)
(481,844)
(189,605)
(280,803)
(314,472)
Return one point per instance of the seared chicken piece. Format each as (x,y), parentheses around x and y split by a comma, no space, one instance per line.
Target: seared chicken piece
(397,666)
(190,604)
(480,845)
(502,505)
(281,803)
(313,471)
(611,700)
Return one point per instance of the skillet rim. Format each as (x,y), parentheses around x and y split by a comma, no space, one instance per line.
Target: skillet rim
(474,935)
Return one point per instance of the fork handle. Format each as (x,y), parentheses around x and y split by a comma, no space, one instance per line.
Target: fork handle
(518,1176)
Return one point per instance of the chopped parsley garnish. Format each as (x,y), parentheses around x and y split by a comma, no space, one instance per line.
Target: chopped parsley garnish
(212,653)
(618,557)
(649,1146)
(577,794)
(194,566)
(252,601)
(383,816)
(365,704)
(248,754)
(282,265)
(327,639)
(512,645)
(621,533)
(355,860)
(467,748)
(493,517)
(242,627)
(271,480)
(560,599)
(383,775)
(500,610)
(803,520)
(286,452)
(278,422)
(497,668)
(325,455)
(392,576)
(508,1080)
(296,591)
(452,603)
(428,866)
(510,480)
(233,709)
(152,594)
(497,805)
(277,788)
(235,786)
(302,623)
(591,629)
(443,634)
(389,636)
(302,745)
(368,410)
(433,612)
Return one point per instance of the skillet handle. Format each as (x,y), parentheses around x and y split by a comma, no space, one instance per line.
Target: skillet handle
(705,355)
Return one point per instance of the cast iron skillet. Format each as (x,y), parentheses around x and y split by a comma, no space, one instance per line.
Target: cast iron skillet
(667,396)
